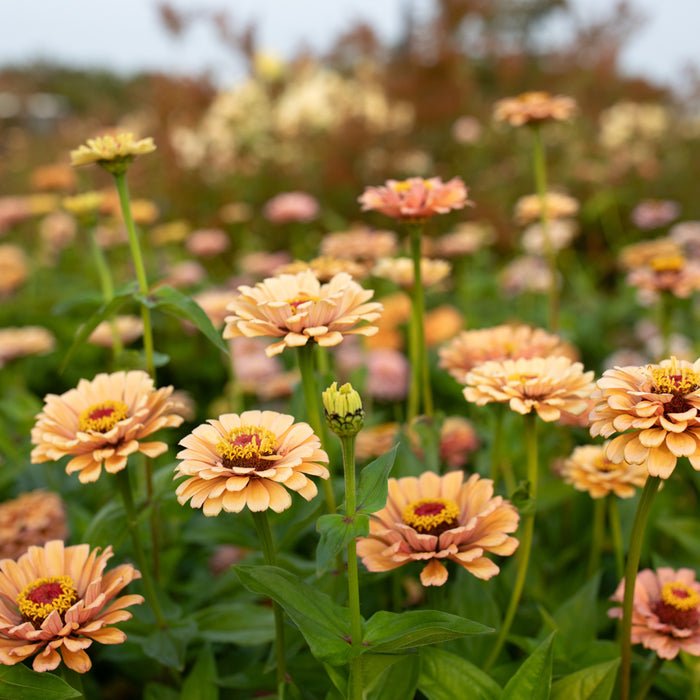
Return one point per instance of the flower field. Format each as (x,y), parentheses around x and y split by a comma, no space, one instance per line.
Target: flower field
(371,376)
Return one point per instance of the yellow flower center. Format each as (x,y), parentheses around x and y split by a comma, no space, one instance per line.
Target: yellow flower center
(41,597)
(102,416)
(603,464)
(431,516)
(520,377)
(675,380)
(247,446)
(667,263)
(678,605)
(406,186)
(301,298)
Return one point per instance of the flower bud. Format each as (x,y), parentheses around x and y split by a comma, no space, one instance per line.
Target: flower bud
(343,409)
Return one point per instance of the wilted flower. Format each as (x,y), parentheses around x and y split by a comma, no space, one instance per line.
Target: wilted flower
(534,108)
(57,601)
(528,209)
(207,242)
(655,410)
(665,612)
(434,518)
(102,422)
(298,308)
(128,329)
(655,213)
(400,271)
(360,243)
(112,151)
(249,460)
(23,341)
(291,207)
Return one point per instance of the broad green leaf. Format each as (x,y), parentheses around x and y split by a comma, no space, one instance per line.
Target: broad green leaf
(592,683)
(372,488)
(533,680)
(200,683)
(445,676)
(21,683)
(336,531)
(338,677)
(236,623)
(389,676)
(324,624)
(169,645)
(175,303)
(387,631)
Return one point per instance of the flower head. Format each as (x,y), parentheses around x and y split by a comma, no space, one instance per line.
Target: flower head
(534,108)
(23,341)
(299,309)
(655,410)
(416,199)
(556,204)
(291,207)
(249,460)
(55,601)
(550,385)
(360,243)
(343,409)
(114,153)
(401,272)
(102,422)
(665,612)
(433,518)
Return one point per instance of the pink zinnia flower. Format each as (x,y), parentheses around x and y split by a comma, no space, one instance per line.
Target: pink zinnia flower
(291,207)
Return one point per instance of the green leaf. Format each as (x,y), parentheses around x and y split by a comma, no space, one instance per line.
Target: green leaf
(158,691)
(389,676)
(169,645)
(387,631)
(324,624)
(21,683)
(445,676)
(372,489)
(236,623)
(175,303)
(592,683)
(200,683)
(533,680)
(336,531)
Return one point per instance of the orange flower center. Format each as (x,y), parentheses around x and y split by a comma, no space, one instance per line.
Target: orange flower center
(102,416)
(301,298)
(678,605)
(667,263)
(247,447)
(41,597)
(431,516)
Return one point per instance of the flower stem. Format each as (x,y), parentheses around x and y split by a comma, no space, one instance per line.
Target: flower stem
(262,526)
(525,540)
(597,537)
(616,532)
(649,679)
(132,521)
(633,555)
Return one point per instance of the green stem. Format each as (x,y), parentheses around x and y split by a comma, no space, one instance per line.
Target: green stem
(664,310)
(649,679)
(633,555)
(598,534)
(616,532)
(132,521)
(498,464)
(525,540)
(262,526)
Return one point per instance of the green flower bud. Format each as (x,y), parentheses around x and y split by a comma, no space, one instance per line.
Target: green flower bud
(343,409)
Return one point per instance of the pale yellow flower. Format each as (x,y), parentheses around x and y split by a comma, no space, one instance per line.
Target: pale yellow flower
(121,147)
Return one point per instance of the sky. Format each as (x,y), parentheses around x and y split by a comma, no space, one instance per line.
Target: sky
(128,35)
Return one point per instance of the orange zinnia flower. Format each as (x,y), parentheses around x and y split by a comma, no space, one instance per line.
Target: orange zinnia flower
(438,517)
(298,308)
(102,422)
(657,406)
(250,460)
(55,601)
(416,198)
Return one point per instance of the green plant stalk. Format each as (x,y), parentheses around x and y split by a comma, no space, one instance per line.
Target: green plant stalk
(616,532)
(597,536)
(633,554)
(664,309)
(498,464)
(530,420)
(132,521)
(649,679)
(540,169)
(355,682)
(262,526)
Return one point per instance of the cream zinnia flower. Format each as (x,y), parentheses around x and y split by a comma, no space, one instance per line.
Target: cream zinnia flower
(55,601)
(102,422)
(400,271)
(299,309)
(655,408)
(249,460)
(105,149)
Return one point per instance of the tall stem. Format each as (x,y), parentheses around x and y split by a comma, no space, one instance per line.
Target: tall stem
(598,534)
(525,540)
(616,532)
(633,555)
(262,526)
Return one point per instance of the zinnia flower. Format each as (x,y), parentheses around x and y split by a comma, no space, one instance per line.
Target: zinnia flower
(250,460)
(588,469)
(655,213)
(534,107)
(55,601)
(360,243)
(401,272)
(103,149)
(557,206)
(550,385)
(102,422)
(23,341)
(416,198)
(655,408)
(291,207)
(665,612)
(128,329)
(325,268)
(298,308)
(433,518)
(672,273)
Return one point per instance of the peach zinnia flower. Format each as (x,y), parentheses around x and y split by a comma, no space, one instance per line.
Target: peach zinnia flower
(534,107)
(416,198)
(23,341)
(250,460)
(299,309)
(400,271)
(55,601)
(102,422)
(655,408)
(665,612)
(433,518)
(550,385)
(588,469)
